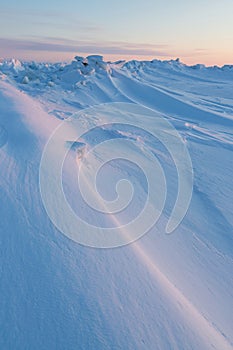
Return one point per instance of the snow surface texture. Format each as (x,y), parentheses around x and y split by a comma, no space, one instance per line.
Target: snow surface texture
(161,292)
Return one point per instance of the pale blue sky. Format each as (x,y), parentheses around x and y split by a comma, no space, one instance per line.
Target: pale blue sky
(195,31)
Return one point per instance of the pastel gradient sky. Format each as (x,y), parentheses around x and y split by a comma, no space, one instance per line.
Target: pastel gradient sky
(198,31)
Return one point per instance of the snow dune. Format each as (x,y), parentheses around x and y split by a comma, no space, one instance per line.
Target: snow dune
(160,292)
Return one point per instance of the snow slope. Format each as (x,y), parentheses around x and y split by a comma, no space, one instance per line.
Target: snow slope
(161,292)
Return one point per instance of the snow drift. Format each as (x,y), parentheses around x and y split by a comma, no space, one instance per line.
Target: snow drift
(161,292)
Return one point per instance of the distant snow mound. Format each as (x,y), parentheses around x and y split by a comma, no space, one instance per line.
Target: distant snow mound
(94,58)
(25,80)
(11,66)
(198,66)
(79,58)
(228,66)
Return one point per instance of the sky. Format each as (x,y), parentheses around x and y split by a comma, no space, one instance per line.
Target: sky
(196,31)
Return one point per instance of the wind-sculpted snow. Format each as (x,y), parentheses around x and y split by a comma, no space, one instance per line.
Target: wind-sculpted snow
(126,116)
(106,141)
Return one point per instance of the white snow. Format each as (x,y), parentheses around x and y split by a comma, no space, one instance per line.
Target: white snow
(161,292)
